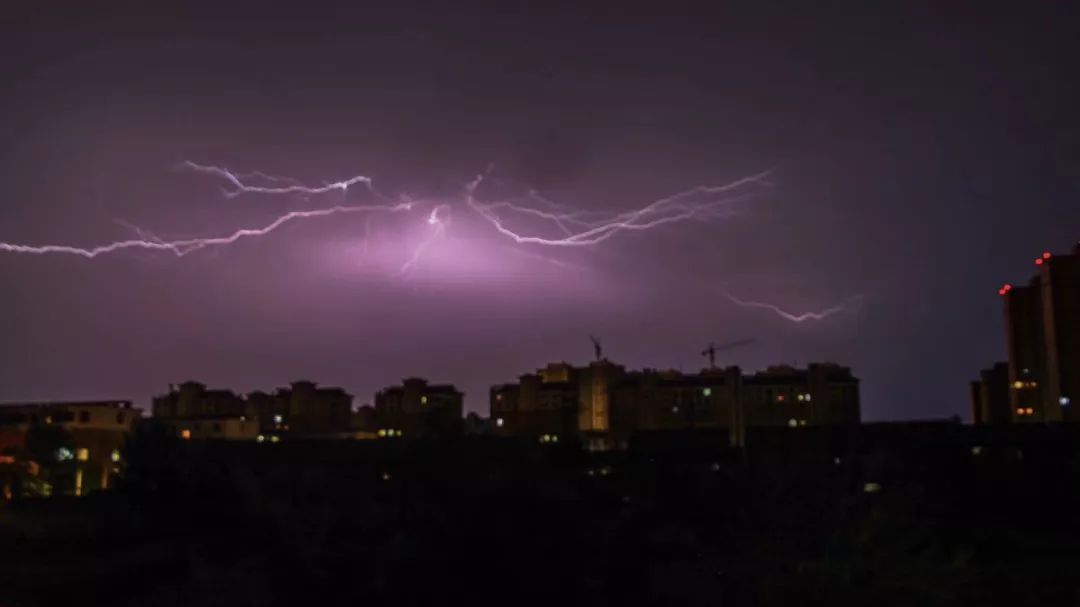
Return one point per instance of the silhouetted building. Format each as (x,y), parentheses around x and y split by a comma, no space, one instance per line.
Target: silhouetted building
(990,398)
(823,394)
(604,405)
(1042,325)
(302,409)
(193,412)
(192,399)
(651,401)
(418,409)
(98,430)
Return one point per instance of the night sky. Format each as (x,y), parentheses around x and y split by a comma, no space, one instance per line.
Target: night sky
(919,157)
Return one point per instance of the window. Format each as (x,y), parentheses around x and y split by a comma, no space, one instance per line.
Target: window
(707,392)
(498,422)
(84,416)
(423,400)
(115,455)
(120,417)
(216,428)
(185,434)
(82,454)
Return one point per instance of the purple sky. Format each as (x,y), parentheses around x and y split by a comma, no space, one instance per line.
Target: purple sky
(920,158)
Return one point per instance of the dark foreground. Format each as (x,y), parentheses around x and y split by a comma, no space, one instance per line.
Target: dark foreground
(933,514)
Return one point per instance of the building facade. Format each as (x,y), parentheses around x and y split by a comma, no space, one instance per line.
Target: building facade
(417,409)
(97,429)
(603,405)
(302,410)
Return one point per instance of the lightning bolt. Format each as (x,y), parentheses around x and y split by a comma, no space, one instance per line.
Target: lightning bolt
(184,246)
(291,186)
(675,208)
(438,229)
(580,227)
(798,318)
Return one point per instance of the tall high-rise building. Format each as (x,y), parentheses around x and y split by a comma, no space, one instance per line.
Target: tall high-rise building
(1042,326)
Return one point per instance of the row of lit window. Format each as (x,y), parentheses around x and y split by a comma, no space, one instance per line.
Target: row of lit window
(795,423)
(1025,411)
(389,433)
(82,454)
(602,471)
(262,438)
(1020,385)
(549,438)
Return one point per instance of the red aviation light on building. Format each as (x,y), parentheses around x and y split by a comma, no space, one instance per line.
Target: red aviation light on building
(1046,254)
(1038,261)
(1005,289)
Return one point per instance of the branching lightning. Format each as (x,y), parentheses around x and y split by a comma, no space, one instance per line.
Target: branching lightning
(437,225)
(678,207)
(184,246)
(846,306)
(291,186)
(579,227)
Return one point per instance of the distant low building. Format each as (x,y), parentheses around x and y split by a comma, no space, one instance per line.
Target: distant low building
(194,412)
(604,405)
(418,409)
(301,410)
(990,398)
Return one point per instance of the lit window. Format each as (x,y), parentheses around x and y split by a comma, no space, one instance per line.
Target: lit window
(48,419)
(64,454)
(275,438)
(554,438)
(278,419)
(260,438)
(779,398)
(386,476)
(807,395)
(1018,384)
(706,391)
(82,454)
(498,397)
(1064,401)
(836,460)
(185,434)
(793,422)
(872,487)
(498,422)
(1029,411)
(1020,411)
(802,422)
(715,467)
(423,400)
(382,432)
(115,455)
(675,409)
(976,450)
